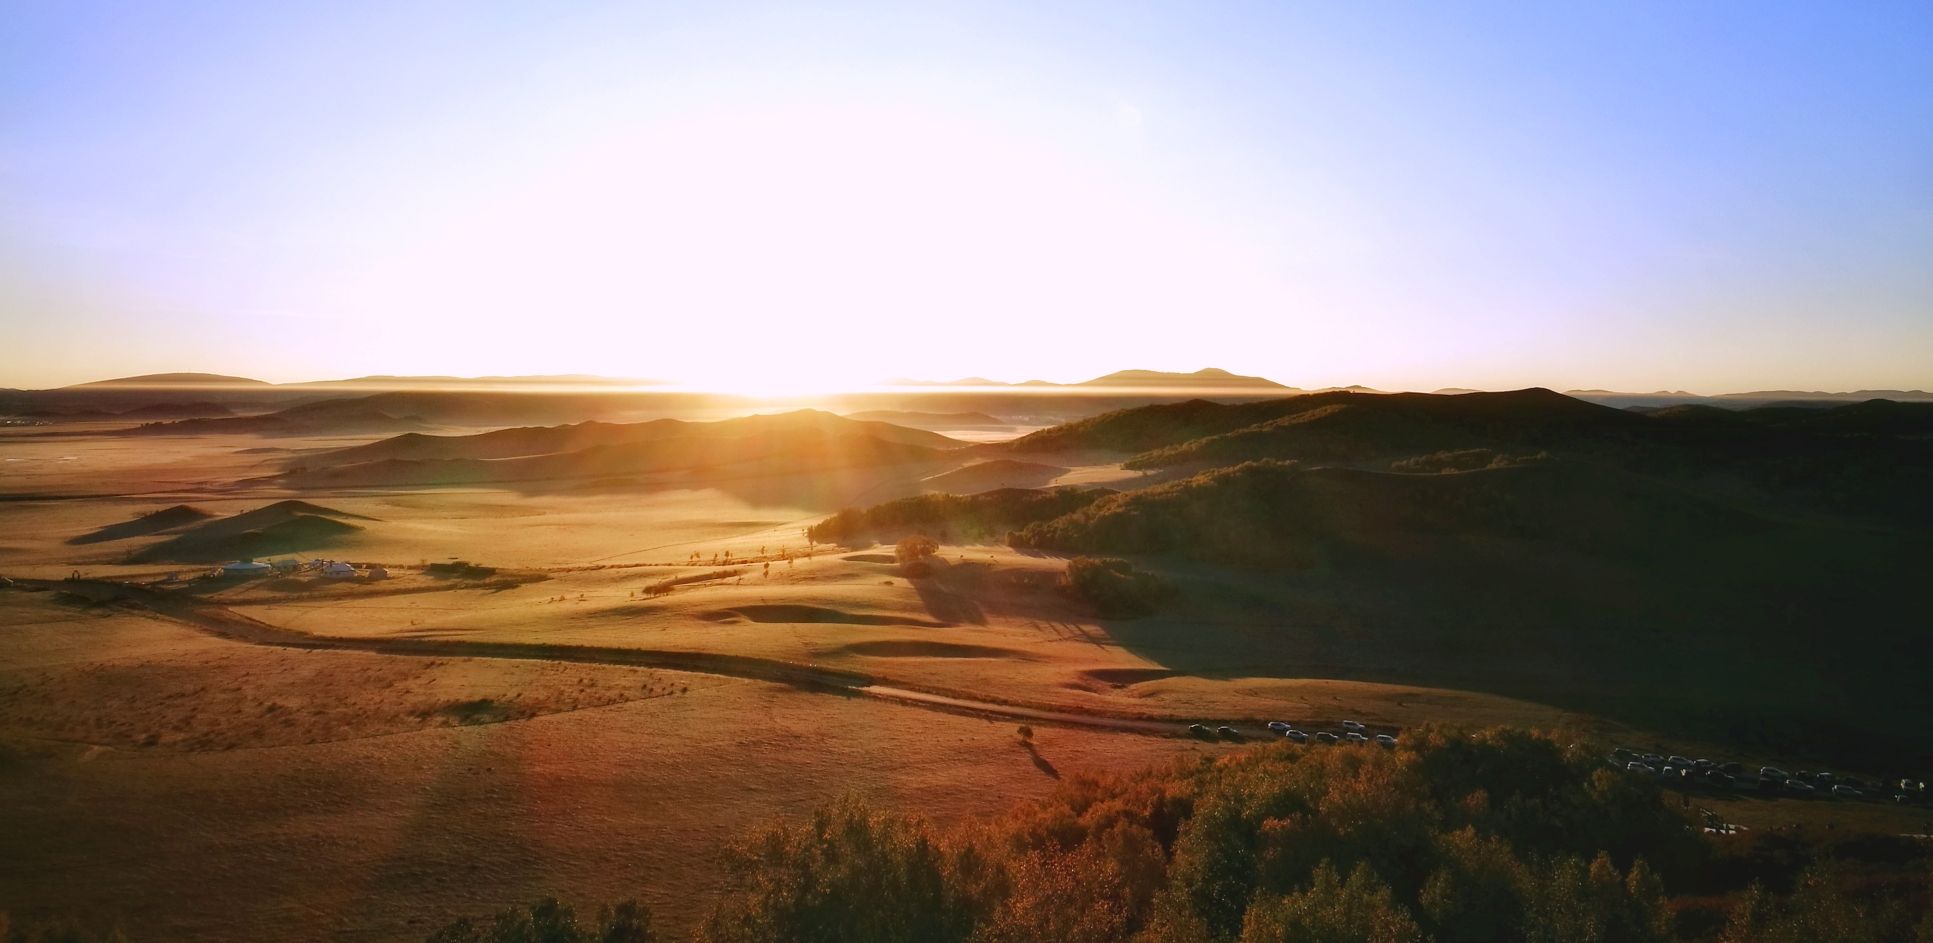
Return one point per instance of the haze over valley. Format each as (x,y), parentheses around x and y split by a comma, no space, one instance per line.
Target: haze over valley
(758,472)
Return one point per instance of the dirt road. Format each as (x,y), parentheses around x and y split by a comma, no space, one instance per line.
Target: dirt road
(229,624)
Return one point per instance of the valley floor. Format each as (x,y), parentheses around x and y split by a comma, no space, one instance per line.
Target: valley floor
(598,712)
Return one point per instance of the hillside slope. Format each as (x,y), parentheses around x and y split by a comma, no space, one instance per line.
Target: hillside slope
(801,441)
(282,527)
(1555,581)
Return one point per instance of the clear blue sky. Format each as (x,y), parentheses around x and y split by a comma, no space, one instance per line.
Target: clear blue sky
(1713,196)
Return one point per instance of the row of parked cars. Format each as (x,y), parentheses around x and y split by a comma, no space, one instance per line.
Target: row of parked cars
(1352,732)
(1767,779)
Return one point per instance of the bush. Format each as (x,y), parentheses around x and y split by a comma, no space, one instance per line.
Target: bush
(1114,587)
(548,921)
(58,931)
(912,553)
(850,874)
(1457,460)
(1359,911)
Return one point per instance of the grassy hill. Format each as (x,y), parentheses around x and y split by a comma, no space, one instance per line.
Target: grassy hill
(989,475)
(173,379)
(544,440)
(986,515)
(1362,427)
(928,420)
(282,527)
(806,440)
(327,417)
(153,522)
(1561,582)
(1270,511)
(1873,459)
(1660,601)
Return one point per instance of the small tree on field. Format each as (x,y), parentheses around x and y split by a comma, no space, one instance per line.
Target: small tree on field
(912,554)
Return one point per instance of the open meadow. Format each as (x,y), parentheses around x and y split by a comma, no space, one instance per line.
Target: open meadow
(585,660)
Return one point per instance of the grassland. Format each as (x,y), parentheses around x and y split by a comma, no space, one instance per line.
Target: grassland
(377,757)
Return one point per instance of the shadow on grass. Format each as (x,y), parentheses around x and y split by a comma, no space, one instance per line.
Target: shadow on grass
(1040,762)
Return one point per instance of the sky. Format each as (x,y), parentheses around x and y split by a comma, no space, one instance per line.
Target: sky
(1709,196)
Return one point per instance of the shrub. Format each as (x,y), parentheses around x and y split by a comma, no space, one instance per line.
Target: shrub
(1114,587)
(1464,460)
(912,553)
(1362,910)
(58,931)
(548,921)
(850,874)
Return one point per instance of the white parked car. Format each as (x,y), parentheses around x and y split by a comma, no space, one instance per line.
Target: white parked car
(1384,739)
(1278,726)
(1296,735)
(1353,726)
(1354,737)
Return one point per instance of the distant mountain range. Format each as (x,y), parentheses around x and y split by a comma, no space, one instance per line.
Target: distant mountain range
(189,380)
(379,382)
(1207,377)
(1203,380)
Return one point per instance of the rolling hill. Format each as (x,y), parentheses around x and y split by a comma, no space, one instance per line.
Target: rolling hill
(986,515)
(172,379)
(1874,459)
(153,522)
(1685,568)
(195,410)
(929,421)
(282,527)
(798,441)
(295,421)
(998,473)
(1359,427)
(1273,511)
(1150,428)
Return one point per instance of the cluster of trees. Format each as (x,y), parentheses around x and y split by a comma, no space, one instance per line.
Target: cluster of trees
(1488,837)
(1456,460)
(952,516)
(1114,587)
(1250,512)
(548,921)
(1497,836)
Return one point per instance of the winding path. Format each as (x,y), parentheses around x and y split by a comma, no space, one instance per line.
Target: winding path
(226,623)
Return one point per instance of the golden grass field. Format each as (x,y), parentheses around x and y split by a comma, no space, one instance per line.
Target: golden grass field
(194,786)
